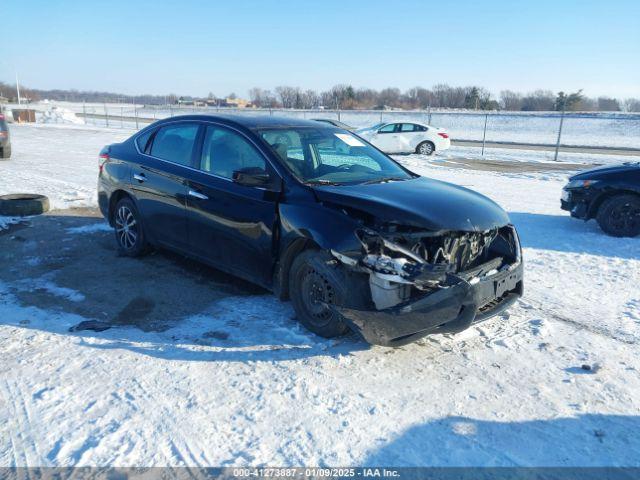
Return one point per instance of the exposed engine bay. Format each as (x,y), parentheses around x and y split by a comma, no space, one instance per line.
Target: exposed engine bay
(403,264)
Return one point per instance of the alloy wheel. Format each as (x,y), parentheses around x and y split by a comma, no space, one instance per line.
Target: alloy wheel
(425,149)
(126,227)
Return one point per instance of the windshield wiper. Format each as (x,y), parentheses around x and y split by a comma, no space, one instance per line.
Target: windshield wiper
(384,179)
(322,182)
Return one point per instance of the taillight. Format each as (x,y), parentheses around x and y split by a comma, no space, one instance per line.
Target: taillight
(1,116)
(443,135)
(104,158)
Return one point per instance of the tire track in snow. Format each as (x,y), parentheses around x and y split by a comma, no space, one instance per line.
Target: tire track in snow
(25,450)
(629,340)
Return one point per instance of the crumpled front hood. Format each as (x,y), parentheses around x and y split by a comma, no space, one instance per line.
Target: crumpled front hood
(420,202)
(594,173)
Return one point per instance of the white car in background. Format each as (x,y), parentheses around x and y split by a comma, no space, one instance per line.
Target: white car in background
(406,137)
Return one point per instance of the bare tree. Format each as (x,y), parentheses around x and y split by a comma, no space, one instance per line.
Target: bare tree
(256,96)
(389,97)
(310,99)
(288,96)
(606,104)
(366,98)
(540,100)
(511,100)
(632,105)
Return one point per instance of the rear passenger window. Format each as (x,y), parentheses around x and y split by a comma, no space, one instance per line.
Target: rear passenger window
(420,128)
(225,151)
(143,140)
(407,127)
(175,143)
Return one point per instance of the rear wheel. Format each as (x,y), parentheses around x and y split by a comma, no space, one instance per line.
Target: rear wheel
(315,283)
(130,235)
(5,152)
(426,148)
(619,216)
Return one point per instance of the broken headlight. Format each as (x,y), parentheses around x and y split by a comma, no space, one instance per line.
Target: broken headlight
(580,184)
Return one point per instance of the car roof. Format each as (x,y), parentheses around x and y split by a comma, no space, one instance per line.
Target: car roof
(252,121)
(406,121)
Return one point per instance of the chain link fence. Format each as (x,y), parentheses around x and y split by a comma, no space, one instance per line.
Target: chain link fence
(572,129)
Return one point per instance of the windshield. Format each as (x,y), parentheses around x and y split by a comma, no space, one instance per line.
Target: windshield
(326,156)
(374,127)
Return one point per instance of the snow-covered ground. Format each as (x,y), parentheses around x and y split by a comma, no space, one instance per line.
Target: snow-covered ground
(61,160)
(538,156)
(510,391)
(610,129)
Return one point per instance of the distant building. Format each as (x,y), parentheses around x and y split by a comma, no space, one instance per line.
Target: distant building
(189,101)
(215,102)
(236,103)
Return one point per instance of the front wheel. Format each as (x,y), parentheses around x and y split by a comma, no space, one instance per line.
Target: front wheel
(130,235)
(619,216)
(426,148)
(316,283)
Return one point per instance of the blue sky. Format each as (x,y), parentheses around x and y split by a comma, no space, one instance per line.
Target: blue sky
(194,47)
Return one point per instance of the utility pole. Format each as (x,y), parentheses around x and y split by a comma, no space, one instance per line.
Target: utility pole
(484,135)
(555,157)
(18,88)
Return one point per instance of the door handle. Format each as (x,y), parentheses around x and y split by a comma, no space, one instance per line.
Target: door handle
(141,177)
(198,195)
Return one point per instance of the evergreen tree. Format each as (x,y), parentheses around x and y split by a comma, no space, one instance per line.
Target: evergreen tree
(472,98)
(568,102)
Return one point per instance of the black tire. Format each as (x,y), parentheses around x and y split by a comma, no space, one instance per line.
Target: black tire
(426,148)
(316,280)
(5,152)
(619,216)
(130,236)
(22,204)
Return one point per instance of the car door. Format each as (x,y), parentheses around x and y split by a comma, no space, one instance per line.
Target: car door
(158,182)
(386,138)
(229,224)
(408,138)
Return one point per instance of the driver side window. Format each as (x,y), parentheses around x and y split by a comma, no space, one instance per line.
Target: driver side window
(388,128)
(225,151)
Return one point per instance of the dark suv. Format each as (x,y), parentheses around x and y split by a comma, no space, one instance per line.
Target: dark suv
(318,215)
(5,140)
(610,194)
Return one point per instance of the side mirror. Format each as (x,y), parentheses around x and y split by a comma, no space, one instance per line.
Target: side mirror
(252,177)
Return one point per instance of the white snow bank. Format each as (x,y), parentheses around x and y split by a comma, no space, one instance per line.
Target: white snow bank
(58,115)
(47,284)
(92,228)
(6,221)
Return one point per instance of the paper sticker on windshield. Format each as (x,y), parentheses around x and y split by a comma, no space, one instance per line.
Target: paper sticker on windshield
(349,140)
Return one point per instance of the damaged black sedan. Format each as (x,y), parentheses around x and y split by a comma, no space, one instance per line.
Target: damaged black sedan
(319,216)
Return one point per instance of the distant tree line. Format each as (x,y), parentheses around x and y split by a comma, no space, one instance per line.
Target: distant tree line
(346,97)
(9,91)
